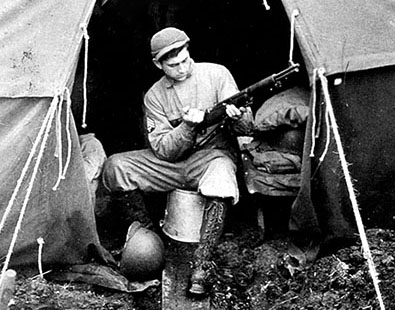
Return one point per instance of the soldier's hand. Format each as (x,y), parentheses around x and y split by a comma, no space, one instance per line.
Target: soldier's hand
(193,116)
(233,112)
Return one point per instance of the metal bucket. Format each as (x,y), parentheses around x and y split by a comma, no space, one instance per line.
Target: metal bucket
(184,215)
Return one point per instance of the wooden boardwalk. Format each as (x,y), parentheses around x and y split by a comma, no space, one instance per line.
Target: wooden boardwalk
(175,279)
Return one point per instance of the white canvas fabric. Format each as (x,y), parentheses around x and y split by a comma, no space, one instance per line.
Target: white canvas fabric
(39,44)
(344,36)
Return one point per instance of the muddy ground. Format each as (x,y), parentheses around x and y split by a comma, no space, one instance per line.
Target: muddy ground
(251,274)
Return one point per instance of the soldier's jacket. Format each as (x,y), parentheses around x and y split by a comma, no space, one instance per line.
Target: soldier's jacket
(169,137)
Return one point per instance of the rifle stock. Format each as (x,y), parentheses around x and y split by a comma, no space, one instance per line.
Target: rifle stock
(244,98)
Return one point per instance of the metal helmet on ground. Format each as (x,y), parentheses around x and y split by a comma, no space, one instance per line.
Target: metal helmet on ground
(143,254)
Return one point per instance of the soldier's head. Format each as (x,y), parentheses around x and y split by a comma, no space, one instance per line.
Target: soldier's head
(169,49)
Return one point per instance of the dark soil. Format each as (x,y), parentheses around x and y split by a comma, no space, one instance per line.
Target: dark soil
(253,272)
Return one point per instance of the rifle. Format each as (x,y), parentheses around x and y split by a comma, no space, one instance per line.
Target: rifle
(244,98)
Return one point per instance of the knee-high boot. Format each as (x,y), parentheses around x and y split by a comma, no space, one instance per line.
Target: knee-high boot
(211,231)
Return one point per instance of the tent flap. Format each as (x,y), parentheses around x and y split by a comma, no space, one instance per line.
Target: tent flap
(63,217)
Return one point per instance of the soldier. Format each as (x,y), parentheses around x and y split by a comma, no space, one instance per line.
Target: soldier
(174,106)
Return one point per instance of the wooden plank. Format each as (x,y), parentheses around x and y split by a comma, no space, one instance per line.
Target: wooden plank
(175,279)
(261,219)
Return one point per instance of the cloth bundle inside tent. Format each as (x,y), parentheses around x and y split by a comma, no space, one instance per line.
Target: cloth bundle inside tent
(40,46)
(272,160)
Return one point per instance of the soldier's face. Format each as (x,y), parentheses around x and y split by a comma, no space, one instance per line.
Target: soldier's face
(178,67)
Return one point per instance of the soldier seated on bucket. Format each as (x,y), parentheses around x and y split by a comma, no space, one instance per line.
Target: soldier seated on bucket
(174,106)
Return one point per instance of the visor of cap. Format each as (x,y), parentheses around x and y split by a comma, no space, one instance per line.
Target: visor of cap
(168,48)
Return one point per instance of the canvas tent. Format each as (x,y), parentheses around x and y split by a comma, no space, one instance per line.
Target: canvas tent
(44,192)
(39,47)
(353,42)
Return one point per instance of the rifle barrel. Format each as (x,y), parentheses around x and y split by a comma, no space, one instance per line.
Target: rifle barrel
(273,81)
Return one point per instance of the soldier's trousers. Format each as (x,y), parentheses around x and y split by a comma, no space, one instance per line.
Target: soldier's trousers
(210,172)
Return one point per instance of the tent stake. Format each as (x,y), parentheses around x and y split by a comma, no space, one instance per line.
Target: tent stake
(7,288)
